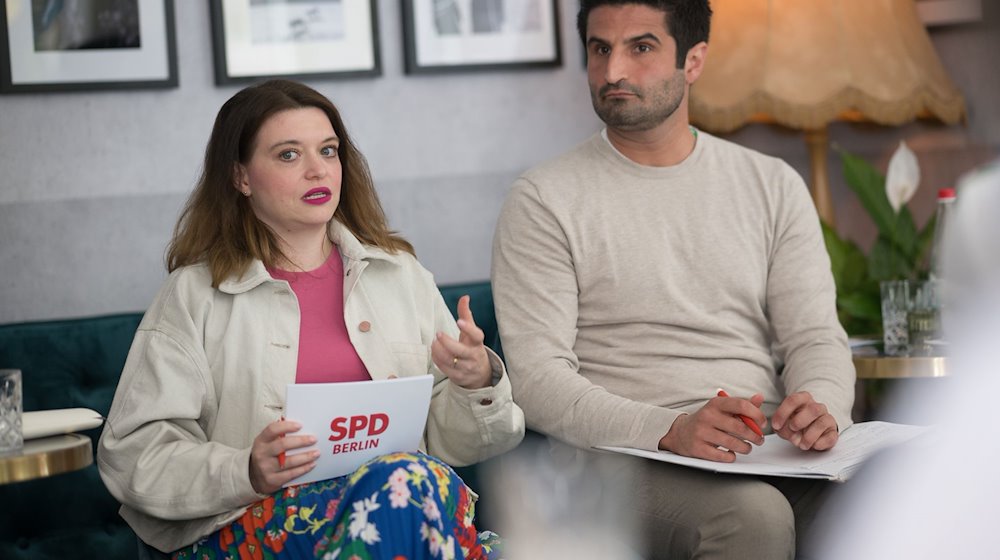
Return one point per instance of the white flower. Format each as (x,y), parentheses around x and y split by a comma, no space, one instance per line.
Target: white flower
(448,548)
(425,531)
(417,468)
(431,510)
(399,497)
(435,540)
(370,534)
(398,477)
(902,178)
(358,524)
(359,519)
(399,493)
(370,504)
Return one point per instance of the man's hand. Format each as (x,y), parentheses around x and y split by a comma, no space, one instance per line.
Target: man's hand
(805,423)
(716,425)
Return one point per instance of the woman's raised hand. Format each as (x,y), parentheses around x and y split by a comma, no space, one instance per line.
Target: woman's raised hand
(464,361)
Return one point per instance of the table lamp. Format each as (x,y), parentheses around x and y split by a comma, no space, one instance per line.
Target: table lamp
(806,63)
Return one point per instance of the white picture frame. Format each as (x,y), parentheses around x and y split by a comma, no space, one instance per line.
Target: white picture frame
(303,39)
(462,35)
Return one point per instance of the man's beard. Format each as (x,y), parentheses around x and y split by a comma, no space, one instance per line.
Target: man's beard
(663,102)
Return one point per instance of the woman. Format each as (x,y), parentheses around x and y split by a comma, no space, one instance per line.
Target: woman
(283,270)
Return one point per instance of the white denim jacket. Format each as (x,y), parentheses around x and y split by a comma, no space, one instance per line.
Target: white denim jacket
(207,372)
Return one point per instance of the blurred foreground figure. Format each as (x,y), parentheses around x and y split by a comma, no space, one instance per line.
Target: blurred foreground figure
(560,506)
(938,498)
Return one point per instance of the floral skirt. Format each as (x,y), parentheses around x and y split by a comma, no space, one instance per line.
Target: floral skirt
(401,506)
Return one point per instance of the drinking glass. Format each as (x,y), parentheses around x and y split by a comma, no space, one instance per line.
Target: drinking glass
(11,437)
(924,318)
(895,307)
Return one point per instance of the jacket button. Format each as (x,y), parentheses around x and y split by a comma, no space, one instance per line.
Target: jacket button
(364,326)
(486,402)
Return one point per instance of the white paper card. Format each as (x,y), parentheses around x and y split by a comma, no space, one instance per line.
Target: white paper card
(357,421)
(778,457)
(43,423)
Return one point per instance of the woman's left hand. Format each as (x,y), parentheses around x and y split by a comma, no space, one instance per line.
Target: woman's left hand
(464,361)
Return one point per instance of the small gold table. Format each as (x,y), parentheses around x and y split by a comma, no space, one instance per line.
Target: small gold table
(877,366)
(44,457)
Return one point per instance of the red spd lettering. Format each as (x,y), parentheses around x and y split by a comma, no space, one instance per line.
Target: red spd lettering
(348,427)
(378,423)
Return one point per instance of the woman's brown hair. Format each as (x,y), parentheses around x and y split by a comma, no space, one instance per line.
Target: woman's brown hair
(218,225)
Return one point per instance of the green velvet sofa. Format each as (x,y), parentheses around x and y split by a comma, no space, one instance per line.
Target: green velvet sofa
(76,363)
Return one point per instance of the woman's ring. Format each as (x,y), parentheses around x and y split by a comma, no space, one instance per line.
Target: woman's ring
(454,361)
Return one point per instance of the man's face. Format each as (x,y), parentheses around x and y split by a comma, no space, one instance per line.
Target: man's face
(631,59)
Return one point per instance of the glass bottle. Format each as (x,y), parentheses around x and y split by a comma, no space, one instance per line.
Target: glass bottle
(925,317)
(946,200)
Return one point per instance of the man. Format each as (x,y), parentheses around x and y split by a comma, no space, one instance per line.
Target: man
(652,265)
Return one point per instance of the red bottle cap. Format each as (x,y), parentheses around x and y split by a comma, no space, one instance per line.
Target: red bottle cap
(947,192)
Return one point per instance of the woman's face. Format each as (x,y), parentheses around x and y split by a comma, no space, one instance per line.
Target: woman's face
(294,172)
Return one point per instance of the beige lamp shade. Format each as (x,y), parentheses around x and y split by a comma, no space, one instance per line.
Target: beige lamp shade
(806,63)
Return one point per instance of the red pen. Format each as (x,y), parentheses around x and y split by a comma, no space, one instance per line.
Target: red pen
(746,419)
(281,456)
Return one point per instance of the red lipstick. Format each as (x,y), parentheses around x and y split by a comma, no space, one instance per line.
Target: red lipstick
(317,196)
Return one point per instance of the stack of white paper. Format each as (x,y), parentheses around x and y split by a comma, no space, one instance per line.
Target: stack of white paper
(778,457)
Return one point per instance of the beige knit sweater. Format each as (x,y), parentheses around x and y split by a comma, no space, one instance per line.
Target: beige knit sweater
(627,294)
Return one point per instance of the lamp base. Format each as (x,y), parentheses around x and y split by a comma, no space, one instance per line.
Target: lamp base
(818,142)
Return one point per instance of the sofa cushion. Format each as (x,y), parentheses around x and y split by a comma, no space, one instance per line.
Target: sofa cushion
(66,364)
(481,304)
(69,363)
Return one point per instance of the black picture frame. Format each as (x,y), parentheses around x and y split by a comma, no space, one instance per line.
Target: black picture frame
(64,52)
(335,41)
(477,35)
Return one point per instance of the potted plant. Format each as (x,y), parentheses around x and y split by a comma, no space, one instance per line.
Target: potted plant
(900,251)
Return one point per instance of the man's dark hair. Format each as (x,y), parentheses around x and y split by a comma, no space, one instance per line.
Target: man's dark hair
(688,21)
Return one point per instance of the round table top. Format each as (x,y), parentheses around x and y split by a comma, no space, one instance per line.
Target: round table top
(44,457)
(896,367)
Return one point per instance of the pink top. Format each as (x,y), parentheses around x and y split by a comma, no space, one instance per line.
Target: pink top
(326,354)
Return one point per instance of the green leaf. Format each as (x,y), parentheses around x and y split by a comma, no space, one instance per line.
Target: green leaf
(869,185)
(864,305)
(855,272)
(887,262)
(857,326)
(924,241)
(905,235)
(836,248)
(857,294)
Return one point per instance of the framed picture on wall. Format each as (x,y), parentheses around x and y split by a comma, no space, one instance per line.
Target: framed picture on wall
(100,44)
(460,35)
(305,39)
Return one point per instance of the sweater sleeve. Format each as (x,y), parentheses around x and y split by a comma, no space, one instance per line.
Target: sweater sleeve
(536,295)
(154,454)
(801,305)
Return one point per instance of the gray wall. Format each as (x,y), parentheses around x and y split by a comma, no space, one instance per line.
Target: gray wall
(91,183)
